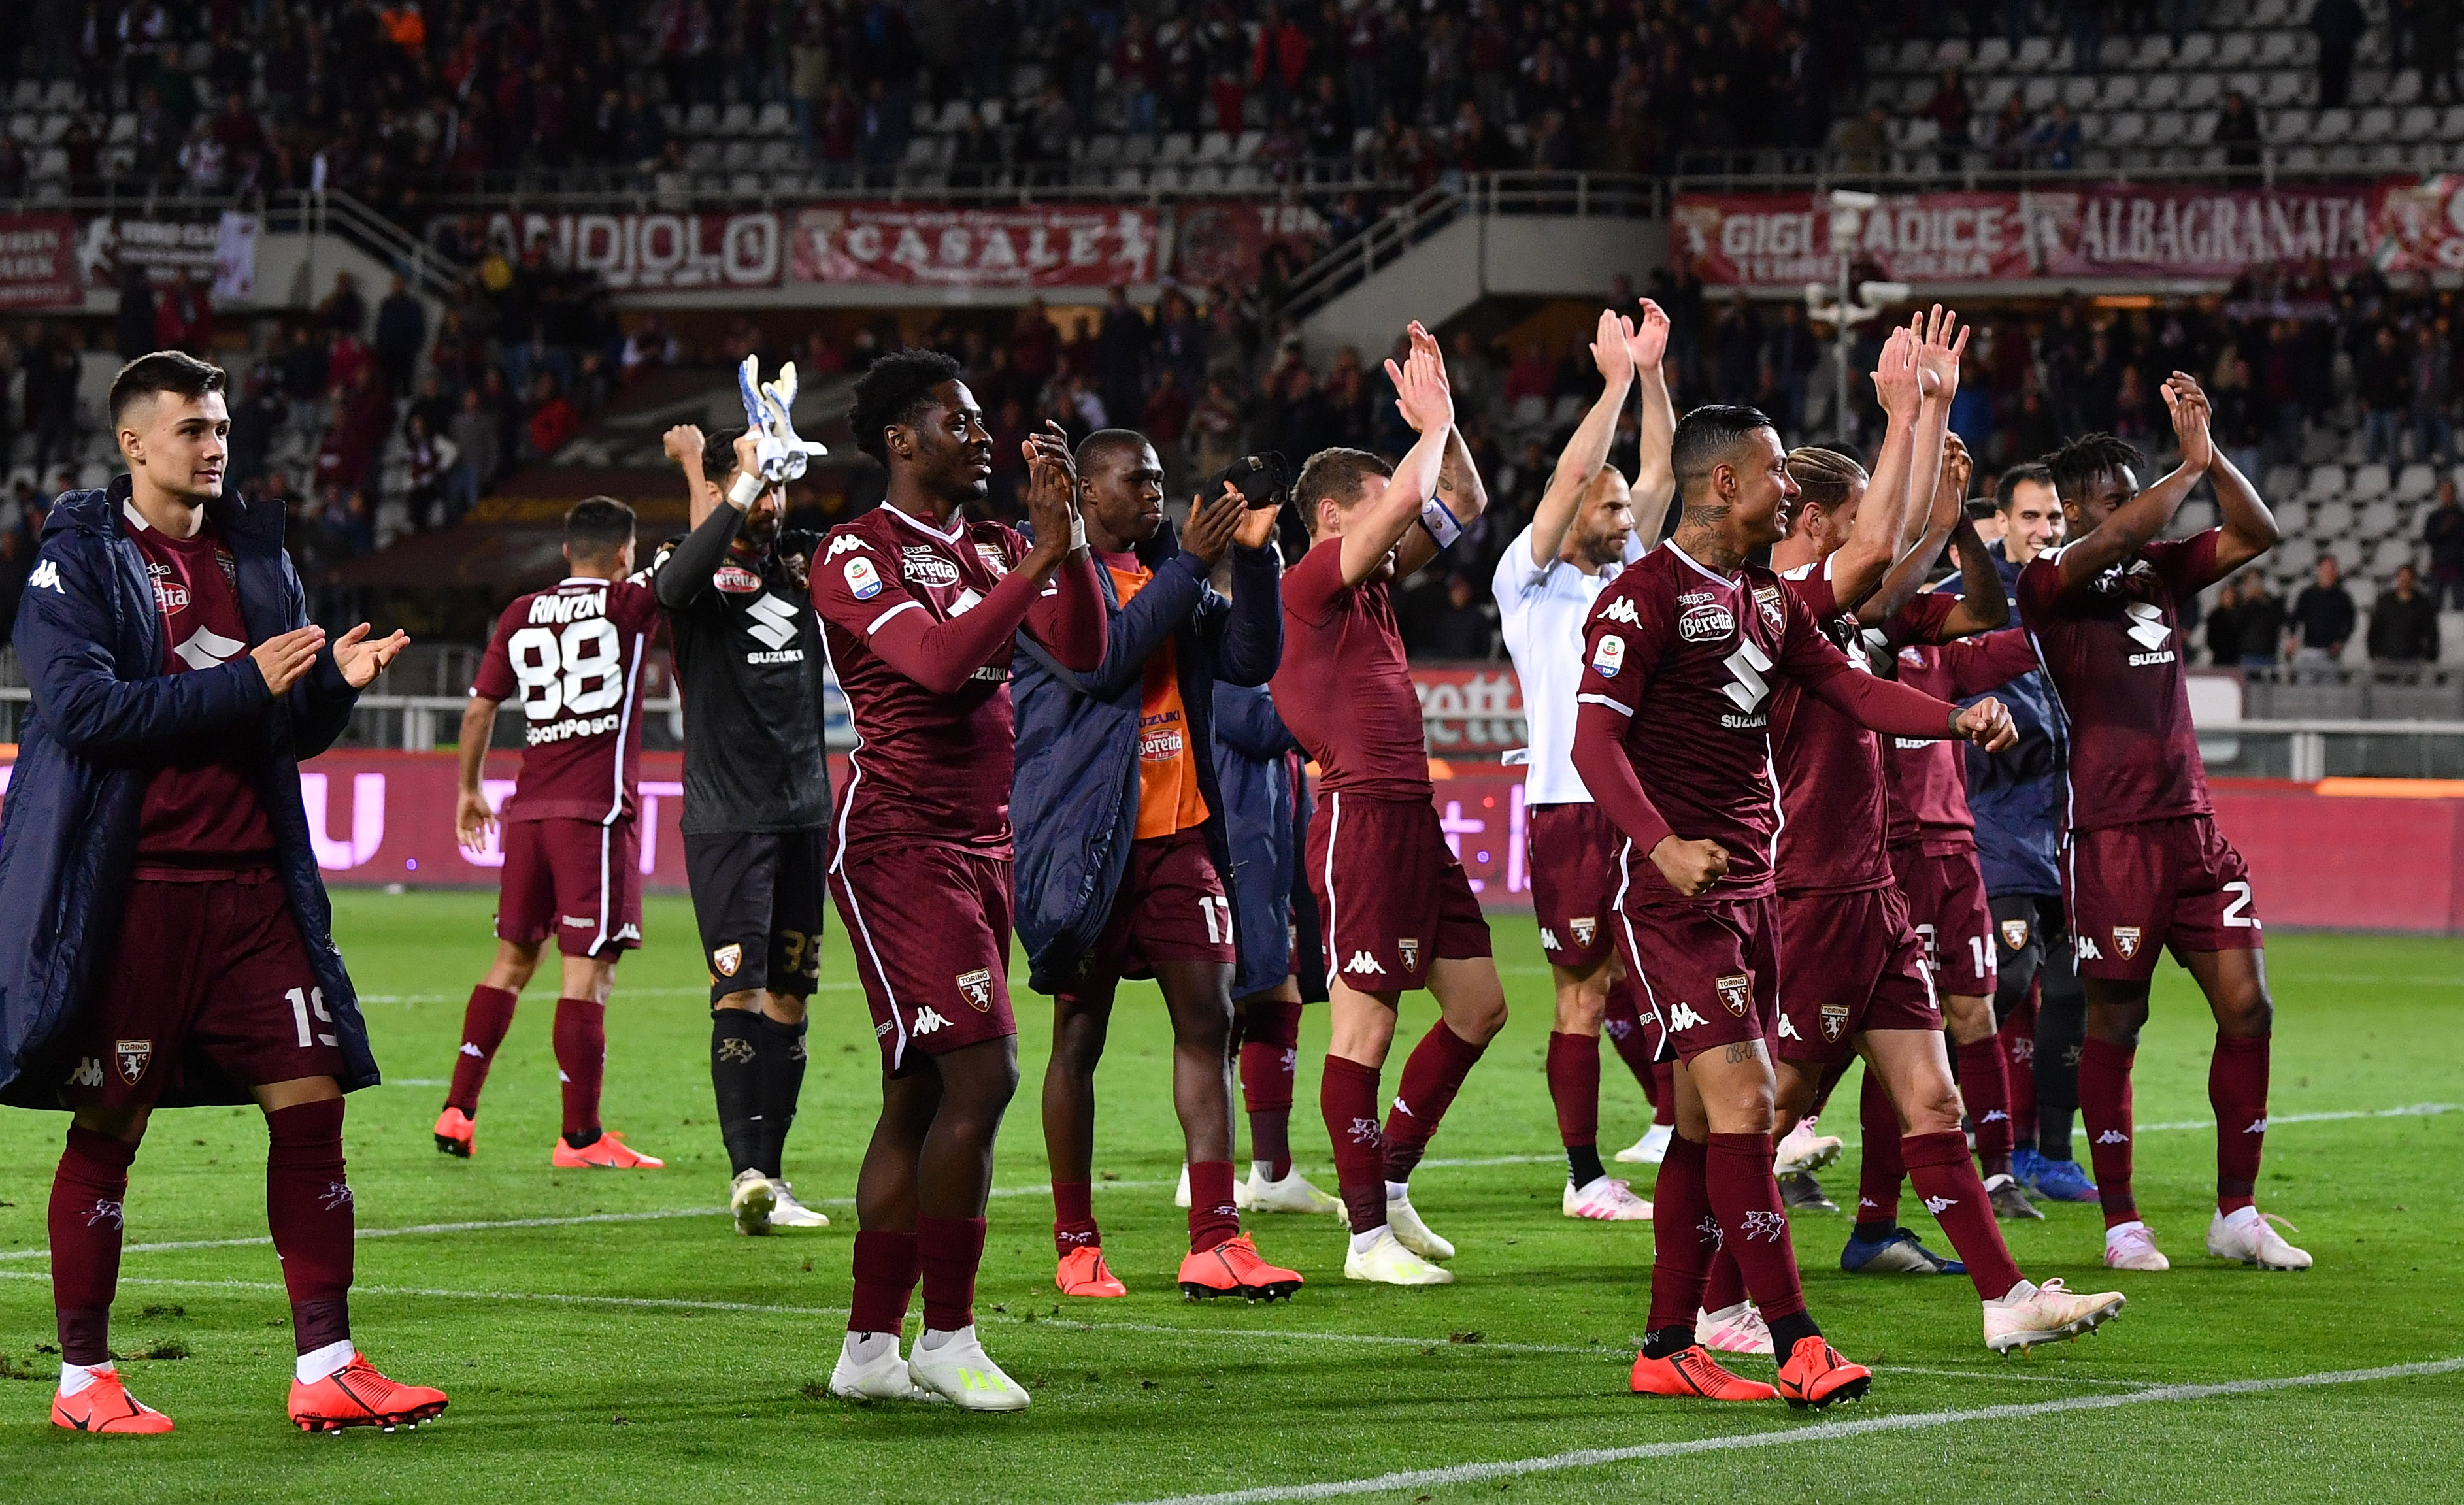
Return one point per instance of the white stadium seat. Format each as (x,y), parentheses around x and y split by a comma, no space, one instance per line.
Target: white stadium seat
(2417,481)
(2326,481)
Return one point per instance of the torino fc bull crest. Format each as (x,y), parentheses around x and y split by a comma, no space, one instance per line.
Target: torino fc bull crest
(1584,929)
(977,988)
(1835,1022)
(132,1056)
(2014,935)
(1736,991)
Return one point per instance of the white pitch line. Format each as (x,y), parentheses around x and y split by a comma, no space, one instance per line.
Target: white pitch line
(1821,1432)
(622,992)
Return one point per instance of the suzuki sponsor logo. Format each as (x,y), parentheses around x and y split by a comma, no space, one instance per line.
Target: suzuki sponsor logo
(207,648)
(773,621)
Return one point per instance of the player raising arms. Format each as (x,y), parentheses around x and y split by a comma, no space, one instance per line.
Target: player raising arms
(1398,913)
(1672,739)
(571,849)
(165,934)
(1124,844)
(756,797)
(2145,867)
(923,608)
(1586,529)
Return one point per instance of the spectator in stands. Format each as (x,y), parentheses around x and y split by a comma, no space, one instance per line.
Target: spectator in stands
(1214,429)
(134,327)
(1120,355)
(344,311)
(2236,131)
(2224,626)
(2007,133)
(12,168)
(2084,21)
(1950,109)
(2261,624)
(1530,376)
(2323,616)
(2443,532)
(16,559)
(474,433)
(429,458)
(2380,373)
(2339,24)
(402,328)
(2404,623)
(253,419)
(1740,344)
(1166,417)
(1454,626)
(551,421)
(2057,139)
(2430,379)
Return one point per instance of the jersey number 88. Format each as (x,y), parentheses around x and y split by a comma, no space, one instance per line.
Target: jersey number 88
(557,670)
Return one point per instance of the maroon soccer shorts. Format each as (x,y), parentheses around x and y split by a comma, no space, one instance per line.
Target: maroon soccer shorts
(1710,968)
(1852,962)
(207,991)
(577,880)
(2133,890)
(1391,894)
(1170,908)
(1571,851)
(1946,898)
(929,925)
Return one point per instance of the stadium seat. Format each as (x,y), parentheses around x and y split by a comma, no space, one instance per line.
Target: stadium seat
(2419,123)
(2416,482)
(702,156)
(2292,517)
(1138,149)
(2386,155)
(2277,90)
(2198,50)
(1243,178)
(2080,93)
(1180,146)
(1914,92)
(736,119)
(2375,126)
(1530,411)
(2200,91)
(23,127)
(2167,128)
(2378,519)
(123,129)
(2290,126)
(2277,50)
(2326,481)
(702,120)
(2036,54)
(2121,91)
(2331,519)
(2370,482)
(2390,556)
(1214,147)
(1247,146)
(2304,159)
(2192,517)
(775,120)
(1916,54)
(2041,93)
(1992,54)
(1205,177)
(2236,50)
(2295,557)
(51,163)
(778,156)
(2332,127)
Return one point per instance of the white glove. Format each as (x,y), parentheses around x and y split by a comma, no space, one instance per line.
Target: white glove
(769,410)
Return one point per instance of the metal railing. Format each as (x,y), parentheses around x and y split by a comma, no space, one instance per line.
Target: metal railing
(2310,751)
(1773,169)
(286,212)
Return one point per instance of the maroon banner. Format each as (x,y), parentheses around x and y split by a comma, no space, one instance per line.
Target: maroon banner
(39,265)
(1225,240)
(654,252)
(1038,245)
(2421,224)
(2124,231)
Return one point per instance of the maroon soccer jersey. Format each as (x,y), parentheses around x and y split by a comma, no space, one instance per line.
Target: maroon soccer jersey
(928,767)
(202,809)
(1928,780)
(1831,801)
(1343,687)
(1691,656)
(2113,651)
(572,656)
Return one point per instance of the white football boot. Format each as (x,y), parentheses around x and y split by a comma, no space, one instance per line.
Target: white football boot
(750,1197)
(960,1371)
(1413,1234)
(2132,1246)
(1803,1150)
(869,1369)
(1606,1200)
(1388,1262)
(785,1211)
(2248,1237)
(1291,1194)
(1650,1150)
(2030,1314)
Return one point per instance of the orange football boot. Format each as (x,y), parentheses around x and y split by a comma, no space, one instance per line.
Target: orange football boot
(1693,1373)
(1082,1272)
(1817,1376)
(1233,1268)
(106,1407)
(356,1395)
(607,1152)
(456,1133)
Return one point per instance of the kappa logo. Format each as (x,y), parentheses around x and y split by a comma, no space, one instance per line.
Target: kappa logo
(1683,1017)
(2256,1127)
(1408,947)
(1585,929)
(207,648)
(1404,1108)
(88,1073)
(2083,949)
(1711,623)
(1736,992)
(1994,1116)
(2113,1136)
(473,1050)
(773,621)
(1363,963)
(1761,1223)
(1787,1028)
(1835,1021)
(2125,940)
(132,1056)
(843,544)
(977,988)
(726,959)
(1938,1205)
(1621,610)
(2014,935)
(1548,940)
(580,921)
(927,1021)
(46,577)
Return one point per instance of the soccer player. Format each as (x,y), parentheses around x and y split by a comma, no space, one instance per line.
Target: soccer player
(1266,808)
(757,798)
(1673,741)
(1396,909)
(571,850)
(2016,796)
(1124,849)
(163,934)
(1586,530)
(2144,866)
(923,609)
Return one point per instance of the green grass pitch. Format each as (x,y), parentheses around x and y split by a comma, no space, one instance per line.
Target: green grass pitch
(661,1358)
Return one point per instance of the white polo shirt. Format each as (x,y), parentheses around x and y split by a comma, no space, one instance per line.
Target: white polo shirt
(1541,609)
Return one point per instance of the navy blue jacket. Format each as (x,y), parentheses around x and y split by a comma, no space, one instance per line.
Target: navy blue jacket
(1269,833)
(2016,794)
(92,644)
(1074,797)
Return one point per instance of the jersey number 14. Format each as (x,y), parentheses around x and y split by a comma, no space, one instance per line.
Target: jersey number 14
(571,671)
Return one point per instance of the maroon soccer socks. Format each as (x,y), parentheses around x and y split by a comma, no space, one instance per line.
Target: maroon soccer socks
(581,1041)
(1073,1216)
(1348,1096)
(308,1208)
(87,1193)
(1878,1170)
(1431,1077)
(2237,1090)
(1985,1085)
(485,1019)
(1574,1088)
(1270,1037)
(2105,1110)
(887,1268)
(949,1251)
(1684,1236)
(1945,1179)
(1213,1216)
